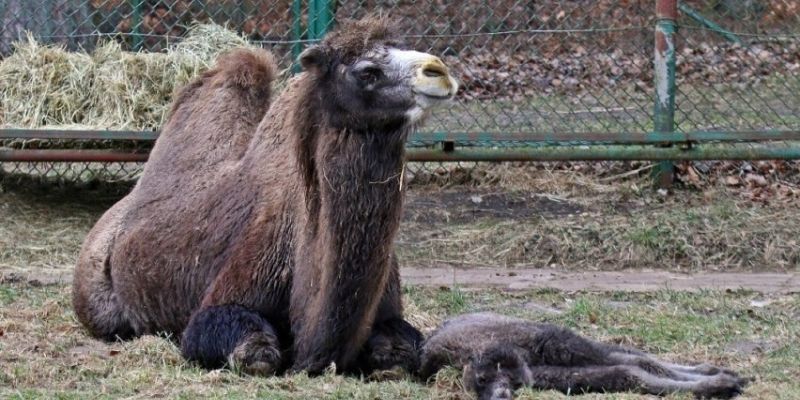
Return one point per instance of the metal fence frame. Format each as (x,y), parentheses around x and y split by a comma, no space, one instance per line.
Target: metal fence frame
(663,144)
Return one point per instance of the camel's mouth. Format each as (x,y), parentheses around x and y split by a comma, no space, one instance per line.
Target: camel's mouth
(436,97)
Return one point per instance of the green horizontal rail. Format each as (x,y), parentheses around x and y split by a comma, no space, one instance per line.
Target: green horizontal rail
(735,151)
(477,138)
(711,25)
(597,146)
(608,137)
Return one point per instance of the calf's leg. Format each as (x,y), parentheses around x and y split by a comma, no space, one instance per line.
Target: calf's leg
(563,347)
(622,378)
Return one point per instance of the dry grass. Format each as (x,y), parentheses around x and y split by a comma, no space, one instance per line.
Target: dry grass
(109,88)
(572,221)
(705,237)
(42,233)
(45,353)
(547,217)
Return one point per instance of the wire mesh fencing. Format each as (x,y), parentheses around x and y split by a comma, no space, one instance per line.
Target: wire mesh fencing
(561,79)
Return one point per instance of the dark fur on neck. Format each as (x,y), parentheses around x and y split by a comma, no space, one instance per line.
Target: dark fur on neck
(354,204)
(322,133)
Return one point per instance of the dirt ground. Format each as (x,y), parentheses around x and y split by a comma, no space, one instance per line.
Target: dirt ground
(578,234)
(600,281)
(688,275)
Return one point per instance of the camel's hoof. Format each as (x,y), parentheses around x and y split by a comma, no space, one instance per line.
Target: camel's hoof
(721,386)
(394,343)
(257,354)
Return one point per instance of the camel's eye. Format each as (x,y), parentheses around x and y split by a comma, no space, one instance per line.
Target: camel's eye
(369,75)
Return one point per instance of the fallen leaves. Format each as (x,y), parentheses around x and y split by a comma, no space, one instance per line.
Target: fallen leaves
(584,67)
(760,181)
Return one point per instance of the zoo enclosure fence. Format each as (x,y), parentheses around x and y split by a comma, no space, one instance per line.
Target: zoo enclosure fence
(546,80)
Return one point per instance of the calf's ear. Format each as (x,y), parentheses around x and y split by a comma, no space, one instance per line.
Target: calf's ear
(315,60)
(468,377)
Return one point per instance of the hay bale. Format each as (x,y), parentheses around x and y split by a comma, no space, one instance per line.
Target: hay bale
(204,42)
(44,85)
(131,90)
(134,90)
(47,86)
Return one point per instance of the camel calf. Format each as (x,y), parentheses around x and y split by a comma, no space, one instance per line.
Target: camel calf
(500,354)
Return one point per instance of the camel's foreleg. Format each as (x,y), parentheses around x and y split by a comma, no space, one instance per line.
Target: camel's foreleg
(393,341)
(233,336)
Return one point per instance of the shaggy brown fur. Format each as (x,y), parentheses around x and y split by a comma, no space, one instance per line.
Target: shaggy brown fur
(288,241)
(212,122)
(500,354)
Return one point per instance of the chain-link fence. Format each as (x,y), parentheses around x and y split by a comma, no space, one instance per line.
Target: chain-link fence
(542,80)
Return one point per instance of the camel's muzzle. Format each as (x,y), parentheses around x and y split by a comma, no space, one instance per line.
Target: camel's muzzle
(429,76)
(432,79)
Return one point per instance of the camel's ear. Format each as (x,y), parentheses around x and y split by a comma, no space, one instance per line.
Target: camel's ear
(315,59)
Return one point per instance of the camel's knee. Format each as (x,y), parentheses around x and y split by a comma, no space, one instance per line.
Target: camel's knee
(232,336)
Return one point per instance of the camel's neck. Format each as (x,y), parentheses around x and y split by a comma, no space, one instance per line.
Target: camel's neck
(353,215)
(356,187)
(353,204)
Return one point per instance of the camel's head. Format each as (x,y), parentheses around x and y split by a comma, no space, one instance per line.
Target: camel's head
(370,79)
(497,373)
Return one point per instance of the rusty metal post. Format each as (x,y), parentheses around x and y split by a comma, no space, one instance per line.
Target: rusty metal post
(664,63)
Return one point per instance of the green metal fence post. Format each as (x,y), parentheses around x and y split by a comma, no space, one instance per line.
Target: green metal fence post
(664,63)
(320,17)
(311,20)
(297,33)
(136,26)
(324,16)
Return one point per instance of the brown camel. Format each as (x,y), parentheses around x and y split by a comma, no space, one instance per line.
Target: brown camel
(500,354)
(272,249)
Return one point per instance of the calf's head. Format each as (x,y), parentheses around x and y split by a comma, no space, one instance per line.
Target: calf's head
(497,373)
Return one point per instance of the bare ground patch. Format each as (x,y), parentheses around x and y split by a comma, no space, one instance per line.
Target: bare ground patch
(599,281)
(464,206)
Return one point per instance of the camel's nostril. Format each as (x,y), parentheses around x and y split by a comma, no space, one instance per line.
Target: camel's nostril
(434,71)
